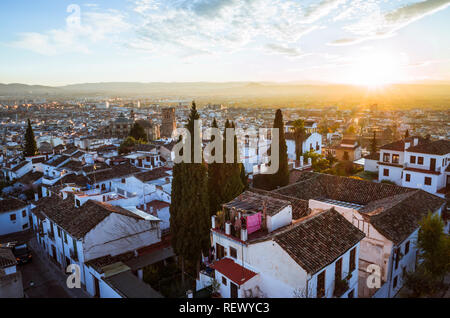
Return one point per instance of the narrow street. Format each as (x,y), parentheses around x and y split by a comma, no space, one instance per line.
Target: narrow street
(43,279)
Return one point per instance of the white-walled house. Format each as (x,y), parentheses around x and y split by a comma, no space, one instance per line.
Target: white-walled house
(19,170)
(418,163)
(76,235)
(14,216)
(264,258)
(389,215)
(10,277)
(312,142)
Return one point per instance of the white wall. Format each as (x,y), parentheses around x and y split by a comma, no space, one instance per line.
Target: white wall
(7,226)
(117,234)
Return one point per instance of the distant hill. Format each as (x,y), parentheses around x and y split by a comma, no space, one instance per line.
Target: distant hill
(427,93)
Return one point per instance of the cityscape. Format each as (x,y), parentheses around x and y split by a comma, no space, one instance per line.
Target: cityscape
(198,150)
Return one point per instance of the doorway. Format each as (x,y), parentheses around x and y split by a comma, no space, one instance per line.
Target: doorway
(432,164)
(233,290)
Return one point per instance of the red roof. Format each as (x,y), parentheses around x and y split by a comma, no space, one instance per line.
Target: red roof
(235,272)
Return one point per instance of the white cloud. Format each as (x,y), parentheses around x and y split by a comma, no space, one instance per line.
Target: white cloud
(377,24)
(216,26)
(284,50)
(78,34)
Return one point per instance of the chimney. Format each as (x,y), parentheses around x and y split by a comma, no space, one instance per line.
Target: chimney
(36,197)
(244,235)
(301,161)
(228,228)
(213,222)
(407,144)
(416,141)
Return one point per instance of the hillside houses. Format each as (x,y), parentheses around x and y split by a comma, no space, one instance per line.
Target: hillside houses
(379,221)
(418,163)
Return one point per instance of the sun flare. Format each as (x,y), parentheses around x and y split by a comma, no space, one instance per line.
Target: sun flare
(375,70)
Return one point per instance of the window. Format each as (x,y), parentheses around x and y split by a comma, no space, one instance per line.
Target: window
(352,264)
(123,181)
(12,217)
(224,281)
(395,158)
(386,157)
(59,232)
(395,282)
(24,213)
(233,252)
(65,237)
(338,270)
(407,248)
(412,159)
(351,294)
(386,172)
(25,226)
(427,181)
(420,160)
(397,257)
(321,284)
(407,177)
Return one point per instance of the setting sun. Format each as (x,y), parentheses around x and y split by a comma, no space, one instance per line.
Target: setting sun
(376,70)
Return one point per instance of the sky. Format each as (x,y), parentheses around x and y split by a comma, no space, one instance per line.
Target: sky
(367,42)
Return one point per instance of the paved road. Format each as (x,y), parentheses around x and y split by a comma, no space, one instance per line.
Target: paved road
(43,279)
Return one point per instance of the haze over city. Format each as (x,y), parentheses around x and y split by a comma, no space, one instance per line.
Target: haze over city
(193,152)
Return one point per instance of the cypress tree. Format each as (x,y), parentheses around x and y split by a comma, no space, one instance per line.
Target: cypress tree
(281,177)
(232,185)
(189,210)
(30,148)
(215,182)
(407,133)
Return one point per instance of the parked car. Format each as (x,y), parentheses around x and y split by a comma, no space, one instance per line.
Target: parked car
(22,253)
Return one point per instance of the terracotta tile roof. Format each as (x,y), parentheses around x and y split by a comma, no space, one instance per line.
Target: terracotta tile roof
(154,174)
(299,207)
(56,162)
(98,167)
(30,177)
(373,156)
(253,202)
(20,165)
(314,185)
(7,257)
(438,147)
(11,204)
(319,240)
(399,209)
(72,165)
(235,272)
(117,171)
(399,145)
(79,221)
(37,160)
(399,216)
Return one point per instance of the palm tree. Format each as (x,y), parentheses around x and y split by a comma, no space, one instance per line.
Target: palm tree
(299,137)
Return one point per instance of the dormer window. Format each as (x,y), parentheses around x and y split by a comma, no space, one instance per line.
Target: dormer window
(386,157)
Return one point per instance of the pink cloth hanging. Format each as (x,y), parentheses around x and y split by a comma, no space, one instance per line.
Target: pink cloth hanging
(253,222)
